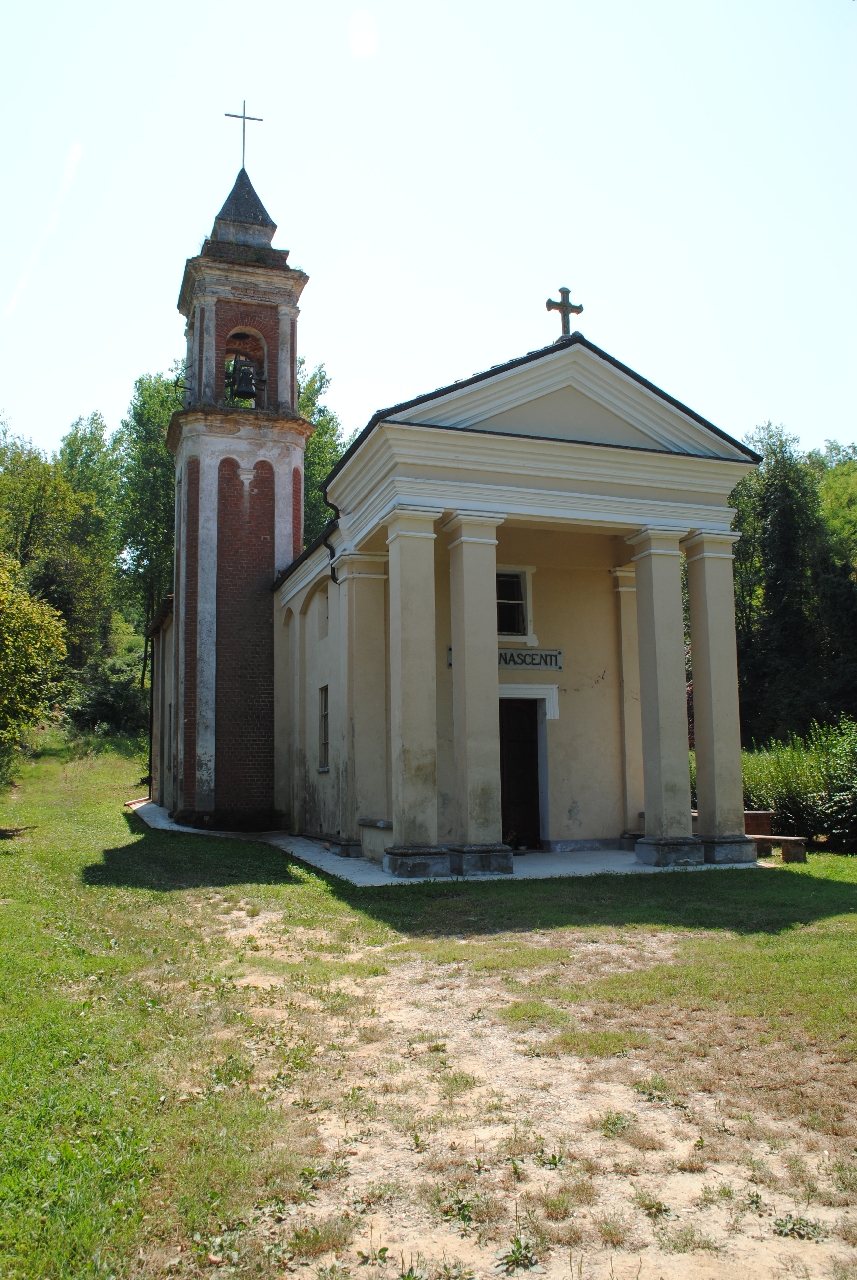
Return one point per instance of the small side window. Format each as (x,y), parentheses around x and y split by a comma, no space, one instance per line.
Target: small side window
(323,731)
(511,605)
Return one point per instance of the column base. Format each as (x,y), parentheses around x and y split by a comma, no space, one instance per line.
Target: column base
(729,849)
(670,851)
(481,859)
(408,861)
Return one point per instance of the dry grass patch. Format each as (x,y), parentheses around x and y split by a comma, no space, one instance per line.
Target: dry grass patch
(312,1240)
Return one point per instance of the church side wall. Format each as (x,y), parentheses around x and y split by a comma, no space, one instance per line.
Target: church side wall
(319,809)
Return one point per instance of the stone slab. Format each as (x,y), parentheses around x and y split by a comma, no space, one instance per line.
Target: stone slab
(358,871)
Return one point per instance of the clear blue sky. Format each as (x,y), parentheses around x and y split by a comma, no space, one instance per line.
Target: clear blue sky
(438,169)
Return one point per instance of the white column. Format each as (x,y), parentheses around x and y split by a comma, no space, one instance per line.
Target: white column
(632,729)
(413,678)
(663,700)
(209,350)
(717,725)
(285,391)
(475,683)
(206,635)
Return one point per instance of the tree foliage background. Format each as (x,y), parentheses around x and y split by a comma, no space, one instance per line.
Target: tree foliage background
(795,590)
(324,448)
(86,556)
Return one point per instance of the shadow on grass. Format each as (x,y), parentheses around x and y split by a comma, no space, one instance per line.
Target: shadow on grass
(744,901)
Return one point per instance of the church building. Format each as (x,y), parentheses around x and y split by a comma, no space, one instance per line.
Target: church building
(484,652)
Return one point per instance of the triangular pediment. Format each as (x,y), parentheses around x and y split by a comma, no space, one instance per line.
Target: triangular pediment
(572,391)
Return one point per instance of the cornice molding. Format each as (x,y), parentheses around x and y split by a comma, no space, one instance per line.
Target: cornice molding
(543,481)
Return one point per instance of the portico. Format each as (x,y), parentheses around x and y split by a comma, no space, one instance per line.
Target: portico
(517,539)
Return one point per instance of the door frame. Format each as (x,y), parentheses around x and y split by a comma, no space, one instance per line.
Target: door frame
(547,697)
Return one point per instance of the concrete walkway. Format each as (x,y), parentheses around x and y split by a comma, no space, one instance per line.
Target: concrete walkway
(528,866)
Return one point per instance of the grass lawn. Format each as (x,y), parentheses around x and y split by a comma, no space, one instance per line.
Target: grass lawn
(215,1060)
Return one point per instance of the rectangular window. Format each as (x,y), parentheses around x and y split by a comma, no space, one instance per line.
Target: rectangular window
(511,605)
(323,732)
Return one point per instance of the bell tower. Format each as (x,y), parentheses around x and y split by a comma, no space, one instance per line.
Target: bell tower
(239,448)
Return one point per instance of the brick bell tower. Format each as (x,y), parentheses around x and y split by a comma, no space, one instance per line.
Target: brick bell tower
(239,450)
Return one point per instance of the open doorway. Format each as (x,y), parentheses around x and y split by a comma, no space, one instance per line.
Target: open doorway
(519,772)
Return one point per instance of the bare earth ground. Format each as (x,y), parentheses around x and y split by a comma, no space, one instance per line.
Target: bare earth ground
(458,1112)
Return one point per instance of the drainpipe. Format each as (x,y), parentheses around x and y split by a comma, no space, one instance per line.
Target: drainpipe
(330,550)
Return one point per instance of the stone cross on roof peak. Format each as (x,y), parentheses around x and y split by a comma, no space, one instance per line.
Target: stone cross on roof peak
(566,308)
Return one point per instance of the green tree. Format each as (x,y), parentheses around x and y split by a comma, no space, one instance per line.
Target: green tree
(61,538)
(796,600)
(32,647)
(147,493)
(324,448)
(836,468)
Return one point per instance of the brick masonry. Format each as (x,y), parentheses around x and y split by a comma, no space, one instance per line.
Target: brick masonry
(191,598)
(244,717)
(297,512)
(229,316)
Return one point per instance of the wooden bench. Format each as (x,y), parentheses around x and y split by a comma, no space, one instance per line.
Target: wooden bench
(793,847)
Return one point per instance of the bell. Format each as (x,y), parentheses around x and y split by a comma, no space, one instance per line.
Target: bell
(246,388)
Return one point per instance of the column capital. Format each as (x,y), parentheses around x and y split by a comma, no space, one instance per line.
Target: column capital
(411,522)
(656,540)
(287,309)
(472,526)
(625,577)
(710,544)
(359,564)
(487,519)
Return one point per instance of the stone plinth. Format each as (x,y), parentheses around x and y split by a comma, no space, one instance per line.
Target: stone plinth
(481,859)
(415,860)
(681,851)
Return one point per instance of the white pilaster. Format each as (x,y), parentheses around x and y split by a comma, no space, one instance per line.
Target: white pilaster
(475,683)
(285,395)
(209,349)
(663,697)
(206,643)
(413,681)
(362,590)
(632,729)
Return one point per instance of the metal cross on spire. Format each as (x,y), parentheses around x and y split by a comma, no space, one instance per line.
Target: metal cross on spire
(567,308)
(243,118)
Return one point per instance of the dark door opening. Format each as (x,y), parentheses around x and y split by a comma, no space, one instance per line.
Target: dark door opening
(519,772)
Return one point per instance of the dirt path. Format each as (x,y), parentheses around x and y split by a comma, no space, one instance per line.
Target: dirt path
(453,1138)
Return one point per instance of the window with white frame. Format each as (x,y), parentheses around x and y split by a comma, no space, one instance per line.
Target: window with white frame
(511,603)
(323,729)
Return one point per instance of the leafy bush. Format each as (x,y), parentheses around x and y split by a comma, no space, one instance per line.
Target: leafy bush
(32,646)
(810,783)
(107,694)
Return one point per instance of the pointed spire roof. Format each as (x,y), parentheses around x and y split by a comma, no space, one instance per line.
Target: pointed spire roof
(243,218)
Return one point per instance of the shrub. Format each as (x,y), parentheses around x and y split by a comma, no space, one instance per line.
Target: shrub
(810,784)
(32,645)
(107,692)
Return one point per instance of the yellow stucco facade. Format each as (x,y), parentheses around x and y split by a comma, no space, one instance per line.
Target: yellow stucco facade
(566,473)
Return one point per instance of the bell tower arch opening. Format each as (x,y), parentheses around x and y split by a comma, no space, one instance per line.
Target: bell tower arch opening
(245,374)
